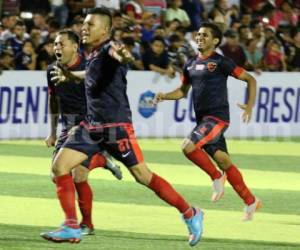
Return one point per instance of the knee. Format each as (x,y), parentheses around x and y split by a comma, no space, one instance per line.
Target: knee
(187,147)
(57,169)
(223,161)
(142,175)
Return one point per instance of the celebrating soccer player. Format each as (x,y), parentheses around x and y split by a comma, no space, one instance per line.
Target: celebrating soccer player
(68,101)
(108,125)
(207,75)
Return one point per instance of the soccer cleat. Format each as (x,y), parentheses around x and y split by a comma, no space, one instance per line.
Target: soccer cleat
(86,230)
(195,227)
(112,167)
(63,234)
(251,209)
(218,188)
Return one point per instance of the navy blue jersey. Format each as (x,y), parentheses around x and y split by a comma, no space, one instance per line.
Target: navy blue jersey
(106,85)
(71,96)
(208,78)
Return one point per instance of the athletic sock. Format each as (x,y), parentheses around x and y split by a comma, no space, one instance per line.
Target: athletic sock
(201,159)
(235,178)
(85,200)
(167,193)
(66,194)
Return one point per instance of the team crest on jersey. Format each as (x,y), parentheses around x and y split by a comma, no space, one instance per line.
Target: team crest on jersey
(211,66)
(146,107)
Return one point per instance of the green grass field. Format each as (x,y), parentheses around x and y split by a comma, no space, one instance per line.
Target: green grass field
(128,216)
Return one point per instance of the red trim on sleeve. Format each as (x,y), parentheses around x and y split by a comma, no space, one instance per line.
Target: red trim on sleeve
(237,71)
(184,80)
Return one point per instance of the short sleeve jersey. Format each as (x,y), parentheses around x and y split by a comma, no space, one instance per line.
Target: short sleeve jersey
(71,96)
(106,86)
(208,78)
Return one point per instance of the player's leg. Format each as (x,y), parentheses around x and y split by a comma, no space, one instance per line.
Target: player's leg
(206,132)
(236,180)
(76,149)
(85,198)
(127,150)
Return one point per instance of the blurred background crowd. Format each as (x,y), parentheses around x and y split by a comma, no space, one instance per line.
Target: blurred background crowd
(259,35)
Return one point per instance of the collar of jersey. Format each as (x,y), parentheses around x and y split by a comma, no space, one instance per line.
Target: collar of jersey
(74,65)
(206,57)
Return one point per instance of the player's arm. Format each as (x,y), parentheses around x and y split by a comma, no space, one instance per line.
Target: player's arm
(251,89)
(60,74)
(173,95)
(53,109)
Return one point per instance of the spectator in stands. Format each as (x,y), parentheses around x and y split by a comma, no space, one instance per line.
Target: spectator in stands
(158,7)
(117,20)
(257,31)
(134,10)
(7,60)
(294,61)
(8,23)
(232,49)
(20,35)
(186,46)
(287,14)
(117,35)
(148,27)
(39,21)
(27,58)
(172,26)
(195,10)
(76,24)
(45,55)
(35,6)
(253,56)
(36,36)
(175,12)
(244,34)
(60,11)
(53,28)
(76,7)
(137,64)
(156,58)
(114,5)
(223,14)
(246,19)
(274,59)
(269,32)
(175,56)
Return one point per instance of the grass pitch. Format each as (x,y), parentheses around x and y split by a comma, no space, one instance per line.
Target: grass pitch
(128,216)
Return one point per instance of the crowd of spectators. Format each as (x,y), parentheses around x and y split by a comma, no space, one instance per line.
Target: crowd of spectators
(259,35)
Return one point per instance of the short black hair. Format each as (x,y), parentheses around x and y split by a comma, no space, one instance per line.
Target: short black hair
(215,31)
(254,23)
(158,38)
(102,11)
(71,35)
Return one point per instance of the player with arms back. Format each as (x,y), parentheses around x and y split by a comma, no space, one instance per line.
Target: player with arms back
(207,75)
(68,102)
(109,125)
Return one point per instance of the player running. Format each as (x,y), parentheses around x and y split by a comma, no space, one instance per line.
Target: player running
(68,101)
(207,75)
(109,125)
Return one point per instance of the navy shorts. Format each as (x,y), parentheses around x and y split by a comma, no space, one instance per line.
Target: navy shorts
(117,139)
(209,135)
(60,144)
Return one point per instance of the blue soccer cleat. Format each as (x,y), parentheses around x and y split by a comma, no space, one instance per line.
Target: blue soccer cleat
(63,234)
(195,227)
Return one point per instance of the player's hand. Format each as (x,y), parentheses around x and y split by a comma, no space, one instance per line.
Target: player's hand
(246,116)
(159,97)
(120,53)
(50,140)
(58,75)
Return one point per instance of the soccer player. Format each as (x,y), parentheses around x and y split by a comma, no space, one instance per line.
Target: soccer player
(207,75)
(68,101)
(109,125)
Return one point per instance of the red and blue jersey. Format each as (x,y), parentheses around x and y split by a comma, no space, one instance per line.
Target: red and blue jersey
(71,96)
(106,86)
(208,78)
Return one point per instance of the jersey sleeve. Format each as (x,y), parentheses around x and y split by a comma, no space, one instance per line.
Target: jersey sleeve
(51,88)
(185,77)
(230,68)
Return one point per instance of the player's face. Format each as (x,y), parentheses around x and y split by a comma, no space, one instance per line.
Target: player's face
(94,30)
(64,49)
(205,40)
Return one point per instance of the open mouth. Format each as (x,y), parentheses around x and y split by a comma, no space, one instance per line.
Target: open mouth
(58,55)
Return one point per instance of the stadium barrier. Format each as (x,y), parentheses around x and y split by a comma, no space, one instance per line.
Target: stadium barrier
(23,106)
